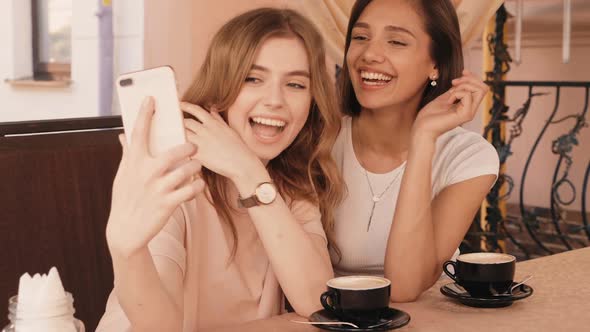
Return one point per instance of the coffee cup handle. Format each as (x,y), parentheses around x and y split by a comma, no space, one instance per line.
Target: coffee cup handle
(324,299)
(447,272)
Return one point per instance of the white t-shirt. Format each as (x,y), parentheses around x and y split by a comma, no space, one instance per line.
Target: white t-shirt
(460,155)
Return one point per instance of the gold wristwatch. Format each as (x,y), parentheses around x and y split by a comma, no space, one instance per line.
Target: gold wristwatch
(265,193)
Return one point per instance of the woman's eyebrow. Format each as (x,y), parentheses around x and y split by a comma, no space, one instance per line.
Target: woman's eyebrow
(395,28)
(392,28)
(304,73)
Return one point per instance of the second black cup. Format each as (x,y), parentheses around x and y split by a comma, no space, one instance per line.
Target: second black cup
(483,274)
(357,299)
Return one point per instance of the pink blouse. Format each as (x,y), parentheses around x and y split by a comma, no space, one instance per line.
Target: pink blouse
(217,291)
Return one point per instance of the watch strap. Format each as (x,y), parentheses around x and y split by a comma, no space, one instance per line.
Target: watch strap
(247,202)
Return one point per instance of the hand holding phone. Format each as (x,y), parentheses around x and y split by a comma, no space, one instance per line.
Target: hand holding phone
(156,173)
(148,189)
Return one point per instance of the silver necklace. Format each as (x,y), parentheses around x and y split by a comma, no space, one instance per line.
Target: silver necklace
(377,198)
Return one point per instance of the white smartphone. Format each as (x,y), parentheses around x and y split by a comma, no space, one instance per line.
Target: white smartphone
(167,128)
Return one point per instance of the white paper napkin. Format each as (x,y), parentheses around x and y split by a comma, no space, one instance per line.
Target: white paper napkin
(43,296)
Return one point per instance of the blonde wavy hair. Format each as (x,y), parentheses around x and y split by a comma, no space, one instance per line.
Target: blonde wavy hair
(305,170)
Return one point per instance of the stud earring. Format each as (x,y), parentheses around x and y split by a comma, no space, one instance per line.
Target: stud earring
(433,80)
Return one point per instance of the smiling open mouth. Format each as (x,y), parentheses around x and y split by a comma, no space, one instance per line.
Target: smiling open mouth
(265,127)
(372,78)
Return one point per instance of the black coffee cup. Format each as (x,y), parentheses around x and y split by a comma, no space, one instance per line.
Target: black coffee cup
(483,274)
(357,299)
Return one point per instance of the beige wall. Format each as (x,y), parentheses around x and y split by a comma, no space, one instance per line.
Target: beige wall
(178,32)
(168,36)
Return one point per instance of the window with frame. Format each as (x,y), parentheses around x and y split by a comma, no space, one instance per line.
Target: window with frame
(52,46)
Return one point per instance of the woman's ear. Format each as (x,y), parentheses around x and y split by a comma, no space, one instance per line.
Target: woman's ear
(434,74)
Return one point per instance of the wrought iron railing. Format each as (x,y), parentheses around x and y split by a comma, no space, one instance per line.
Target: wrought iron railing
(502,130)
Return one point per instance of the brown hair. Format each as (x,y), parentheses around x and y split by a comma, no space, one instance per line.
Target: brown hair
(305,170)
(441,24)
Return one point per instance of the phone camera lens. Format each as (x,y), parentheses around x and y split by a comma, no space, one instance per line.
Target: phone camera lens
(126,82)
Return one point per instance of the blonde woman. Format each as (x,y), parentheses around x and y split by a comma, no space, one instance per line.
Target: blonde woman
(262,126)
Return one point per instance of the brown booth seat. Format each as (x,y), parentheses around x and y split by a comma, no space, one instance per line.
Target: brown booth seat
(55,198)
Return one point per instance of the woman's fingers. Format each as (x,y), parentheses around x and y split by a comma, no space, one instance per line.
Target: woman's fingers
(468,85)
(175,155)
(186,192)
(198,112)
(470,78)
(180,175)
(193,125)
(123,142)
(471,87)
(476,90)
(464,111)
(192,137)
(215,114)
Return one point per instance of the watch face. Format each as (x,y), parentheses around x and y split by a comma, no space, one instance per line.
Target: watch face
(266,193)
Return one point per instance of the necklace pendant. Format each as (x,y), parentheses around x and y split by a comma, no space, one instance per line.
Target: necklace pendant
(376,198)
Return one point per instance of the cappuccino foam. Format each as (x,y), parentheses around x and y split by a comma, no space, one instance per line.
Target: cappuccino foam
(358,282)
(486,258)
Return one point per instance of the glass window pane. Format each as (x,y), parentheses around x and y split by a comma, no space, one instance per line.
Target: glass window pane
(54,26)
